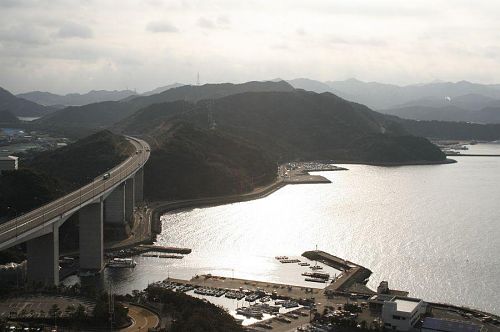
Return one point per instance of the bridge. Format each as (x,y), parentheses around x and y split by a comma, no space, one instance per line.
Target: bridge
(109,198)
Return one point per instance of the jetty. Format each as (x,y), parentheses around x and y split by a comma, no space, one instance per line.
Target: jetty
(164,249)
(352,273)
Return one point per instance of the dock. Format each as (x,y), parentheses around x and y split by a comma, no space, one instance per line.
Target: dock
(164,249)
(352,273)
(298,172)
(305,179)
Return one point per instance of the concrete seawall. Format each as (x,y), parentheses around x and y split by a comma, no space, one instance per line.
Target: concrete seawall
(159,208)
(351,272)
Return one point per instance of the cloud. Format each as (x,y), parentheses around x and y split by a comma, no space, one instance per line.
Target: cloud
(161,26)
(24,34)
(74,30)
(357,41)
(223,20)
(205,23)
(12,3)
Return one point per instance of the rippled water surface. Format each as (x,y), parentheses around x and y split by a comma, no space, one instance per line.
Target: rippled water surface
(431,230)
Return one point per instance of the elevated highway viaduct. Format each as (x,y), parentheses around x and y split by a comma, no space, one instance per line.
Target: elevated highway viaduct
(110,198)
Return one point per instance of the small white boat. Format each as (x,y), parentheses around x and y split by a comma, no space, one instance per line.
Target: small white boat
(316,267)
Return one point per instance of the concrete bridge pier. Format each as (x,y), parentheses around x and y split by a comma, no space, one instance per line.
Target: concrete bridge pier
(139,184)
(43,258)
(114,206)
(129,198)
(91,236)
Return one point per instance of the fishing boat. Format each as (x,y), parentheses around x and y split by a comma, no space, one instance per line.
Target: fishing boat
(316,275)
(320,280)
(316,267)
(122,263)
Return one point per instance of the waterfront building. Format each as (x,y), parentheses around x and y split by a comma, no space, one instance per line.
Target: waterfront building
(398,313)
(432,324)
(383,288)
(8,163)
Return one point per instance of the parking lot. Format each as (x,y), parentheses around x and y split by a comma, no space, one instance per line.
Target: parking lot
(39,306)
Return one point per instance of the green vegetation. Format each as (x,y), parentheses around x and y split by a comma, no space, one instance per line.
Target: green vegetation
(452,130)
(8,118)
(230,145)
(399,149)
(189,314)
(25,189)
(19,106)
(51,174)
(79,163)
(105,114)
(298,125)
(100,314)
(192,162)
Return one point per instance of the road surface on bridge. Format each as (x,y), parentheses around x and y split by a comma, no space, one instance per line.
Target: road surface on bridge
(13,231)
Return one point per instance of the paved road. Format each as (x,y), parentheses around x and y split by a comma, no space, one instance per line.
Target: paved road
(12,232)
(142,319)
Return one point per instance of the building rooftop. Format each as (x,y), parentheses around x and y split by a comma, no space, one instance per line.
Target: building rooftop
(8,158)
(446,325)
(406,305)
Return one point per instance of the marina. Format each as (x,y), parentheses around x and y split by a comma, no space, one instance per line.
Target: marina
(245,302)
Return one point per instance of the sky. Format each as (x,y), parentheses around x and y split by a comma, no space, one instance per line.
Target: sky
(66,46)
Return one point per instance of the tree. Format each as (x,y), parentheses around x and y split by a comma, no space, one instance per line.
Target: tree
(54,311)
(70,310)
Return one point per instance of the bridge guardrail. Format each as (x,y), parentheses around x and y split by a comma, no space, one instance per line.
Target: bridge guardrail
(76,198)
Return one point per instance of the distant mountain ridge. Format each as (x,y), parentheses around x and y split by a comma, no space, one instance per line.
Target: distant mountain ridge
(21,107)
(76,99)
(162,89)
(105,114)
(433,101)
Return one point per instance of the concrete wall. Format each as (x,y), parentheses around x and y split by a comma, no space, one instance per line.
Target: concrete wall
(91,237)
(43,259)
(129,198)
(114,206)
(139,185)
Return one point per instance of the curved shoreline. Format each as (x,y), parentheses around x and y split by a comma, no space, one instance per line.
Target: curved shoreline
(160,207)
(389,164)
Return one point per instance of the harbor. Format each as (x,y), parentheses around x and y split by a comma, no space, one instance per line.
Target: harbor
(298,172)
(263,305)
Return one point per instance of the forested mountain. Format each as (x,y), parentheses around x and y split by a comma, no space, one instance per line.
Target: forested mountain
(21,107)
(102,115)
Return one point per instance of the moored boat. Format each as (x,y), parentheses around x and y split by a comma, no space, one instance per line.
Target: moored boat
(122,263)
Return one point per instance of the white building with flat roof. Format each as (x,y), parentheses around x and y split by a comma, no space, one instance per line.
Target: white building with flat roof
(399,313)
(8,163)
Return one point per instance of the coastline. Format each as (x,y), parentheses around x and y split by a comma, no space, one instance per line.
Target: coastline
(157,208)
(389,164)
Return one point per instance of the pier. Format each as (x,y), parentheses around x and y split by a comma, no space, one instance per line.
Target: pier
(163,249)
(351,273)
(298,172)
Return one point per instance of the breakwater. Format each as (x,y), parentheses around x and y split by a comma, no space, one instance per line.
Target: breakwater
(352,273)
